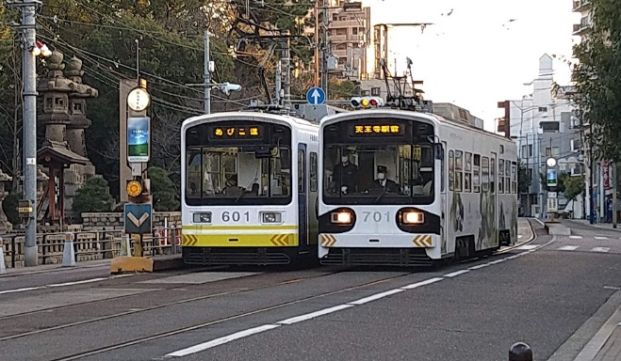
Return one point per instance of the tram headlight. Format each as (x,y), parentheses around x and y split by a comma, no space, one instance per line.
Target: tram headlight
(202,217)
(271,217)
(343,216)
(413,217)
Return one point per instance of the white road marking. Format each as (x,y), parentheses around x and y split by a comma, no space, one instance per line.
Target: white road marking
(600,237)
(519,236)
(575,237)
(375,297)
(601,249)
(479,266)
(498,261)
(220,341)
(527,247)
(455,274)
(568,248)
(422,283)
(18,290)
(308,316)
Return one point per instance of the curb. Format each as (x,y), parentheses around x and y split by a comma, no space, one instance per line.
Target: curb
(518,244)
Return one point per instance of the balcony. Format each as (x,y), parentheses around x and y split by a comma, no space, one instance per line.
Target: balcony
(583,27)
(581,5)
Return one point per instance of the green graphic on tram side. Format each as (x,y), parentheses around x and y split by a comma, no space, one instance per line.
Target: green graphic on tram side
(487,229)
(457,212)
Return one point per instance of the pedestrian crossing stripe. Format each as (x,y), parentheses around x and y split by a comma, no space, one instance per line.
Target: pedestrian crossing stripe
(601,249)
(568,248)
(575,237)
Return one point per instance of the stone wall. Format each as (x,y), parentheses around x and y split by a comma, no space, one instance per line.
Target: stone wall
(113,221)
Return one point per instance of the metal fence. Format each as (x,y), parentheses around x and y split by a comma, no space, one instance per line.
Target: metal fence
(90,245)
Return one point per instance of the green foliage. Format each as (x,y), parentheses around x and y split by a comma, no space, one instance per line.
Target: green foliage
(574,186)
(9,206)
(342,89)
(598,78)
(94,196)
(163,190)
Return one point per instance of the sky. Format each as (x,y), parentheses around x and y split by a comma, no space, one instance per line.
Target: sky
(483,52)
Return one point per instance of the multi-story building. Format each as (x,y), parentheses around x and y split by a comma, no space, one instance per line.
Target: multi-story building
(349,26)
(544,126)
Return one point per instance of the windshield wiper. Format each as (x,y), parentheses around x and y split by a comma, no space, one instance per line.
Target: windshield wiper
(243,192)
(381,195)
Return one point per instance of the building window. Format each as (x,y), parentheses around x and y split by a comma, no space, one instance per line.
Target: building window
(341,31)
(375,91)
(354,31)
(543,109)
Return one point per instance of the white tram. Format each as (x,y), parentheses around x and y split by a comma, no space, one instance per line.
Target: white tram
(249,180)
(408,188)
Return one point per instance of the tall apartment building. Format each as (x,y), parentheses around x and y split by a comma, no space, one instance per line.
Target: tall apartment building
(544,126)
(349,26)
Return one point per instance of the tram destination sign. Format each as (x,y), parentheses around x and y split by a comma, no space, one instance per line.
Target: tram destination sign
(376,129)
(236,132)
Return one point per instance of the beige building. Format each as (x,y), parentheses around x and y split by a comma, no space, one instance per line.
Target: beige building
(349,26)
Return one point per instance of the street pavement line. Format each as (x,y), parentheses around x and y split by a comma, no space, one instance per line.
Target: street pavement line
(308,316)
(375,297)
(220,341)
(575,237)
(568,248)
(455,274)
(600,237)
(422,283)
(527,247)
(18,290)
(479,266)
(600,249)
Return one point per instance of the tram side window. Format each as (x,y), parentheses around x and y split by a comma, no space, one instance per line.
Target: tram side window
(468,173)
(501,176)
(514,177)
(193,170)
(484,174)
(301,170)
(476,179)
(508,176)
(492,178)
(459,166)
(313,172)
(451,170)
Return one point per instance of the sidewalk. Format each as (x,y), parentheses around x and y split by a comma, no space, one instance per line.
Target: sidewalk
(585,223)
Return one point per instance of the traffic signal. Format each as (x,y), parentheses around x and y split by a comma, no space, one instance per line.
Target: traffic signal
(366,102)
(137,190)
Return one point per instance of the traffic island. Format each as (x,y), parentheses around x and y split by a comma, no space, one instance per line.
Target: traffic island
(125,264)
(557,229)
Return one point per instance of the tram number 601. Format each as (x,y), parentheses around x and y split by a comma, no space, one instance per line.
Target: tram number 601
(376,217)
(235,216)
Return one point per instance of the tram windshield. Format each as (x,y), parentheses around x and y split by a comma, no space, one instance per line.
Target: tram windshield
(378,168)
(237,171)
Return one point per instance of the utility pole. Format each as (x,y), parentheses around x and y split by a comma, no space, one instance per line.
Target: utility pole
(207,75)
(614,194)
(286,70)
(278,82)
(317,45)
(28,9)
(325,49)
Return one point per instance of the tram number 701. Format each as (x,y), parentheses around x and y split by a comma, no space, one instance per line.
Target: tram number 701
(376,217)
(235,216)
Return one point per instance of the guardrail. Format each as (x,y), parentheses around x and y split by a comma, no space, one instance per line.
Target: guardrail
(90,245)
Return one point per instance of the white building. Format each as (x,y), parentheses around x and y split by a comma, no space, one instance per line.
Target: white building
(544,126)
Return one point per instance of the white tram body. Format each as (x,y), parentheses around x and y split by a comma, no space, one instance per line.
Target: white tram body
(248,182)
(408,188)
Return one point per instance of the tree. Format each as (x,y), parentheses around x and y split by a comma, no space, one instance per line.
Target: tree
(598,78)
(574,185)
(342,89)
(93,196)
(163,190)
(9,206)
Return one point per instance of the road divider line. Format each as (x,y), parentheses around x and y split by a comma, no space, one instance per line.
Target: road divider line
(422,283)
(220,341)
(568,248)
(376,297)
(457,273)
(473,268)
(308,316)
(18,290)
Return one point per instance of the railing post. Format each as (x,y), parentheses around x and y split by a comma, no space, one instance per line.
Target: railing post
(2,265)
(69,251)
(520,351)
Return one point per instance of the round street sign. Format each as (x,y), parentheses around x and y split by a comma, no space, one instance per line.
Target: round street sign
(138,99)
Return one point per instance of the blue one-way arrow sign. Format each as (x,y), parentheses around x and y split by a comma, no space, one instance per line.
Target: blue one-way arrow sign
(315,96)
